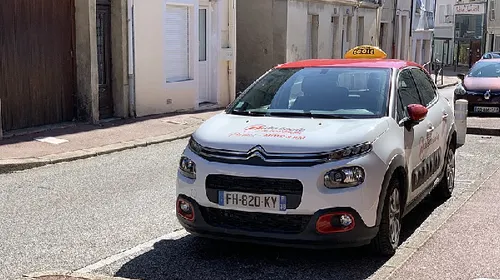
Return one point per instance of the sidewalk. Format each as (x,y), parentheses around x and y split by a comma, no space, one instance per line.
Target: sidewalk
(77,141)
(467,246)
(449,78)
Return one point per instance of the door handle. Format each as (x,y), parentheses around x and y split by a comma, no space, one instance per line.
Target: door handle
(430,129)
(445,116)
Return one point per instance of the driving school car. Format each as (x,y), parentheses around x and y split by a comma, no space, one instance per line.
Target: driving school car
(320,153)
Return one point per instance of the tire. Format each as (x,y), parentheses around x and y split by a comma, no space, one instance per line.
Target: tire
(387,240)
(445,188)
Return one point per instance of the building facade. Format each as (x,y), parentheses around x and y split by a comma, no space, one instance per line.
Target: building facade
(77,70)
(470,30)
(422,30)
(493,26)
(270,32)
(395,28)
(443,46)
(183,55)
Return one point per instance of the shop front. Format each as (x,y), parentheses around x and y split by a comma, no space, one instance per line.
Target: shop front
(469,34)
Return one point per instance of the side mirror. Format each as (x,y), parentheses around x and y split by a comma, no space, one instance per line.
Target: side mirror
(461,76)
(416,113)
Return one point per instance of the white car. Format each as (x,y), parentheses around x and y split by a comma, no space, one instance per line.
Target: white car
(320,153)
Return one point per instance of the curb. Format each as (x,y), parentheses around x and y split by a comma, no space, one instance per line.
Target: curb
(447,85)
(420,237)
(68,275)
(13,165)
(483,131)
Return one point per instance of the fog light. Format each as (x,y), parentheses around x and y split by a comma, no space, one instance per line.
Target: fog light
(345,220)
(344,177)
(187,167)
(185,209)
(335,223)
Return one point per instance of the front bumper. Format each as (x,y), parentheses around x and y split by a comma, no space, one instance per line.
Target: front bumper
(262,228)
(479,101)
(307,199)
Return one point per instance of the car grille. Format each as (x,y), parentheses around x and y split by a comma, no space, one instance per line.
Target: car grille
(257,222)
(291,188)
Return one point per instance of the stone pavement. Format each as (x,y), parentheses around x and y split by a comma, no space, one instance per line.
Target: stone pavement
(77,141)
(466,246)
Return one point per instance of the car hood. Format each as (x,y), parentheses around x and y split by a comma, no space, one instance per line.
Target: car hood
(286,135)
(482,84)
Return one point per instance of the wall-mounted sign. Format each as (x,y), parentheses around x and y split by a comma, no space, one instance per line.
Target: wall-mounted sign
(469,9)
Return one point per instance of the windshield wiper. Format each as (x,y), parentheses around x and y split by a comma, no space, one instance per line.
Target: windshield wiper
(248,113)
(307,114)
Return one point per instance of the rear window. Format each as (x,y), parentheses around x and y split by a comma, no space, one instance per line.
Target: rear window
(352,92)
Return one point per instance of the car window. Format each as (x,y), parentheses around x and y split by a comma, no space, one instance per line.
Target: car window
(425,86)
(407,89)
(346,91)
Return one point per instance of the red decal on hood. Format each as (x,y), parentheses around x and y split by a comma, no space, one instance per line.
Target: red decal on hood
(275,129)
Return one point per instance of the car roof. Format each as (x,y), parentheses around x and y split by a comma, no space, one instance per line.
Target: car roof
(368,63)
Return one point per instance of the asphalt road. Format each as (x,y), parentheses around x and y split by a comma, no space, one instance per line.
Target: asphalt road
(70,215)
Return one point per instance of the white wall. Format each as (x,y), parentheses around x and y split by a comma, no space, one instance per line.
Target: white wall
(153,94)
(297,28)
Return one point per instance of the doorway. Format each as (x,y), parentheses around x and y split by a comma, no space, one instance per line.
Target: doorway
(103,31)
(476,53)
(205,94)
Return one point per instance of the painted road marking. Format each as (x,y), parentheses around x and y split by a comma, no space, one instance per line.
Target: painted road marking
(51,140)
(146,245)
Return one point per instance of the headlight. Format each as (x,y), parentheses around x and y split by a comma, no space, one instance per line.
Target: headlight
(344,177)
(187,167)
(194,146)
(350,151)
(460,90)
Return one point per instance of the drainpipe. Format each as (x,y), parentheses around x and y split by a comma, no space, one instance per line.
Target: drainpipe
(131,57)
(231,64)
(394,35)
(411,29)
(1,130)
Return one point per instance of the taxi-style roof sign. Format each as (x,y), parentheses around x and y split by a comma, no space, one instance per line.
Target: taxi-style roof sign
(364,52)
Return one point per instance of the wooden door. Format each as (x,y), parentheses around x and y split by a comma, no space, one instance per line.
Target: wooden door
(37,71)
(103,30)
(476,53)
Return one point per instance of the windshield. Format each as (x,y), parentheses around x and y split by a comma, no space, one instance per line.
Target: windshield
(318,92)
(485,69)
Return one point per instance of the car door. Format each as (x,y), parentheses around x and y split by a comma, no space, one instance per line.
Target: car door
(433,146)
(407,94)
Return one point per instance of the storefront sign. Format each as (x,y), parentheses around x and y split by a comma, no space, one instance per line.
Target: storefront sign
(469,9)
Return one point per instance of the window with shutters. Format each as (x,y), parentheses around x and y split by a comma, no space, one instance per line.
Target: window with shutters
(177,43)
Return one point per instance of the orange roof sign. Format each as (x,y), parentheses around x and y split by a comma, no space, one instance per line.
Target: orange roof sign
(365,52)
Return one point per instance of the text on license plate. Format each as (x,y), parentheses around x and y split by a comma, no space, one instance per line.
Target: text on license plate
(252,201)
(486,109)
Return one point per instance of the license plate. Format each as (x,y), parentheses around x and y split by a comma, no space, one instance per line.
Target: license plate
(252,201)
(486,109)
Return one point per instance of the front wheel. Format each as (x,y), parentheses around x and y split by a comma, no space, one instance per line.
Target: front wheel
(445,188)
(387,240)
